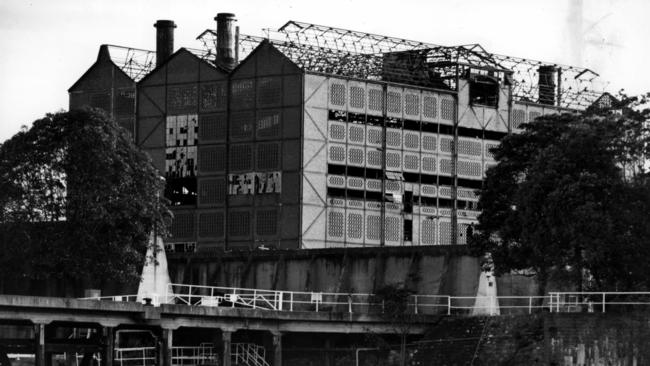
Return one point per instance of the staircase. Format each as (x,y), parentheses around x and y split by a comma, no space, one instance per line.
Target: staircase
(248,354)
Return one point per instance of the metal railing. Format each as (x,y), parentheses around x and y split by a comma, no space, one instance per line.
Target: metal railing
(248,354)
(191,356)
(598,302)
(135,356)
(197,295)
(362,303)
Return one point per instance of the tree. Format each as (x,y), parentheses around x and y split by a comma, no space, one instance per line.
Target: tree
(569,199)
(394,300)
(78,200)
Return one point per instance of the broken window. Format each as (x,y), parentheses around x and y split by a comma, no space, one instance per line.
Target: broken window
(484,90)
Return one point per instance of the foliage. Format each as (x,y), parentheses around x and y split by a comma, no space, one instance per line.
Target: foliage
(77,200)
(570,199)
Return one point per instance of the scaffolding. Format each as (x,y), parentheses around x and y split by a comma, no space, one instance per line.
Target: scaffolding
(335,51)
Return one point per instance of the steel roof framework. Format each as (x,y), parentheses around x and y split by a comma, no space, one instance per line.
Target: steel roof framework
(336,51)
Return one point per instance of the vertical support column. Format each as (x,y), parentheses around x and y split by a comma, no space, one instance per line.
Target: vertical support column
(39,340)
(226,337)
(166,351)
(277,349)
(328,353)
(109,346)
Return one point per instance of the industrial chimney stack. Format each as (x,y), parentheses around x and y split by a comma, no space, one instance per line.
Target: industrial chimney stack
(164,40)
(546,84)
(226,41)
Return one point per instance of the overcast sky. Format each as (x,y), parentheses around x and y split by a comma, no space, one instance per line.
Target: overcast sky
(46,45)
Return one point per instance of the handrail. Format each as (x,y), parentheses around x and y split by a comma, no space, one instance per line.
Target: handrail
(364,303)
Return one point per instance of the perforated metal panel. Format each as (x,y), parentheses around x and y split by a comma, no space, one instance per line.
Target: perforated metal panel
(354,203)
(337,94)
(212,191)
(239,223)
(211,225)
(373,227)
(394,138)
(357,97)
(182,99)
(375,100)
(356,156)
(269,91)
(337,131)
(428,231)
(183,225)
(429,163)
(411,140)
(213,96)
(532,115)
(356,134)
(394,103)
(393,186)
(373,185)
(268,156)
(355,226)
(447,109)
(336,154)
(266,222)
(469,147)
(374,135)
(445,232)
(241,125)
(336,181)
(444,191)
(373,158)
(411,163)
(268,124)
(466,194)
(242,94)
(241,157)
(428,190)
(446,144)
(355,183)
(212,127)
(429,107)
(412,105)
(335,224)
(445,166)
(429,142)
(393,230)
(470,169)
(394,160)
(518,117)
(462,233)
(212,159)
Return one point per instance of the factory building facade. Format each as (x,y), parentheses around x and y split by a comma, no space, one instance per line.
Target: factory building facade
(320,137)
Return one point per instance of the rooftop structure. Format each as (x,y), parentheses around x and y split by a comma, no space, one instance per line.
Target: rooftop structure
(336,51)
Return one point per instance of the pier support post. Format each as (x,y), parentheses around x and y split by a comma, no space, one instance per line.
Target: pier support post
(39,340)
(277,349)
(167,342)
(109,346)
(226,337)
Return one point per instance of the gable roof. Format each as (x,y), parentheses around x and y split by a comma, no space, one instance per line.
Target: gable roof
(103,57)
(182,51)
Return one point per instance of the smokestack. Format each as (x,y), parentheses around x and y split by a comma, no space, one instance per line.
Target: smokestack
(226,43)
(164,40)
(546,84)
